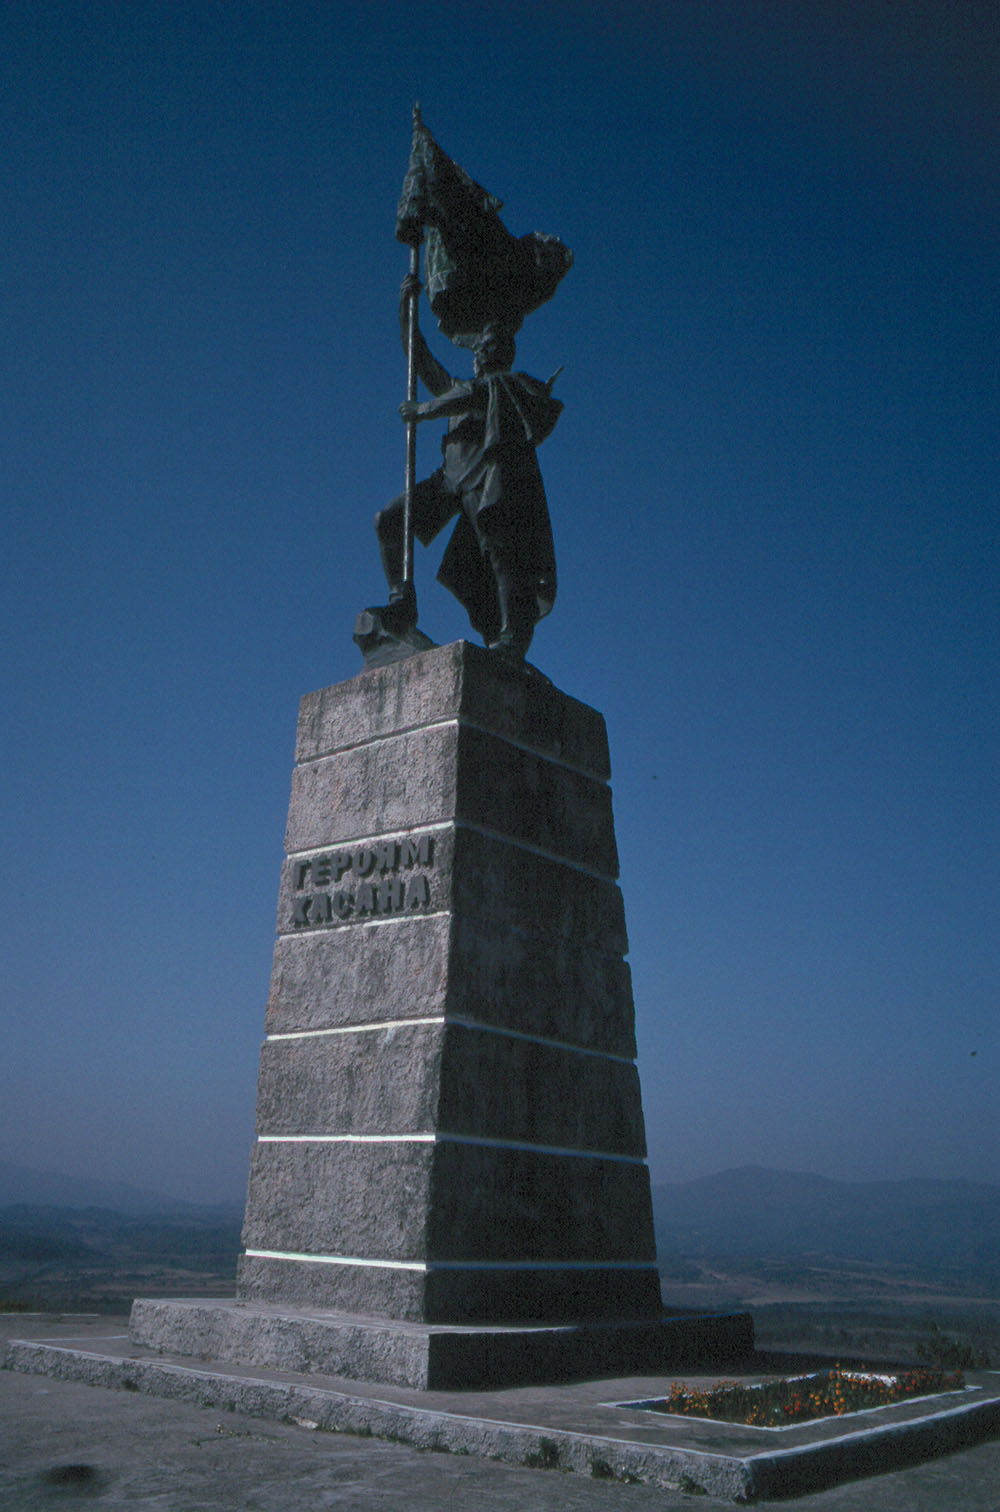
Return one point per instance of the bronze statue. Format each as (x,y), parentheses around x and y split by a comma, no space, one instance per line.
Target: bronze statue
(481,282)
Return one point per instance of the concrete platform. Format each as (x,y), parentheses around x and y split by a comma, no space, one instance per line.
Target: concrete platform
(581,1427)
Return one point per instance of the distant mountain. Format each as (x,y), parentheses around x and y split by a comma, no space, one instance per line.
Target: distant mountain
(752,1212)
(20,1185)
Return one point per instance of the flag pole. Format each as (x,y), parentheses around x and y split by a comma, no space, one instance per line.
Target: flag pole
(411,394)
(411,426)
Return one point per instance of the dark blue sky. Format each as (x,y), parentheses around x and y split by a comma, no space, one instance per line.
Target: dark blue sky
(774,494)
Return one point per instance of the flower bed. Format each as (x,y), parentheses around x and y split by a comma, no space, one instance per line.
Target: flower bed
(799,1399)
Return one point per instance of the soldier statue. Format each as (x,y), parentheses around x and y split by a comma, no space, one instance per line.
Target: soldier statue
(482,281)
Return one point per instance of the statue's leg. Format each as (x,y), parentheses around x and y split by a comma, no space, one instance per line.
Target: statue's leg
(433,506)
(517,601)
(402,596)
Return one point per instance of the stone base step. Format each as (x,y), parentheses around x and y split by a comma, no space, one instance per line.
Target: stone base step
(433,1357)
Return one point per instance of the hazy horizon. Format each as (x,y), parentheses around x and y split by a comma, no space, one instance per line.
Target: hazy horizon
(11,1174)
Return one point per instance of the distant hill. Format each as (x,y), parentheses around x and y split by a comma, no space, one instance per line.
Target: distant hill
(751,1212)
(28,1232)
(69,1243)
(19,1185)
(98,1259)
(746,1214)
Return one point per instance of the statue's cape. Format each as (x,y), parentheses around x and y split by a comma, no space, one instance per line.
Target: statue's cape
(477,273)
(503,499)
(518,413)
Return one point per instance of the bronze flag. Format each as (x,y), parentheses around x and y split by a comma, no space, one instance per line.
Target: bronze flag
(477,273)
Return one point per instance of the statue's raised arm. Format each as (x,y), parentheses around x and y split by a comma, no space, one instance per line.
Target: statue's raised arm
(431,373)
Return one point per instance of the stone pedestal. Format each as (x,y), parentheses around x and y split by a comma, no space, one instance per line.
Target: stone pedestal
(450,1157)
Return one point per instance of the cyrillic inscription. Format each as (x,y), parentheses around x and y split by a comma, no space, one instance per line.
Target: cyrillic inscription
(371,881)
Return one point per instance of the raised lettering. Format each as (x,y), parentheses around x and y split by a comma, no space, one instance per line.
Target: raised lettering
(321,908)
(417,850)
(387,856)
(418,891)
(384,893)
(390,895)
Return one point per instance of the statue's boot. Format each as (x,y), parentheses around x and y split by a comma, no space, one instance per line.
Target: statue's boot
(400,613)
(384,633)
(517,619)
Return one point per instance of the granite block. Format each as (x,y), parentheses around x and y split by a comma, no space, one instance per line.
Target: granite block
(497,1203)
(363,1290)
(474,967)
(287,1341)
(428,1357)
(330,978)
(373,789)
(525,797)
(496,1087)
(411,1201)
(382,1081)
(501,1295)
(368,1200)
(511,889)
(460,681)
(558,987)
(540,1296)
(412,1078)
(425,777)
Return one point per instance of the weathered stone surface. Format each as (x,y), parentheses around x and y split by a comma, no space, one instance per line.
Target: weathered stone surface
(383,1081)
(326,978)
(427,1357)
(498,1088)
(491,1203)
(283,1340)
(374,788)
(367,1291)
(500,1295)
(380,701)
(418,1201)
(368,1200)
(558,987)
(479,968)
(526,797)
(542,1295)
(428,776)
(516,891)
(415,1078)
(460,680)
(530,710)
